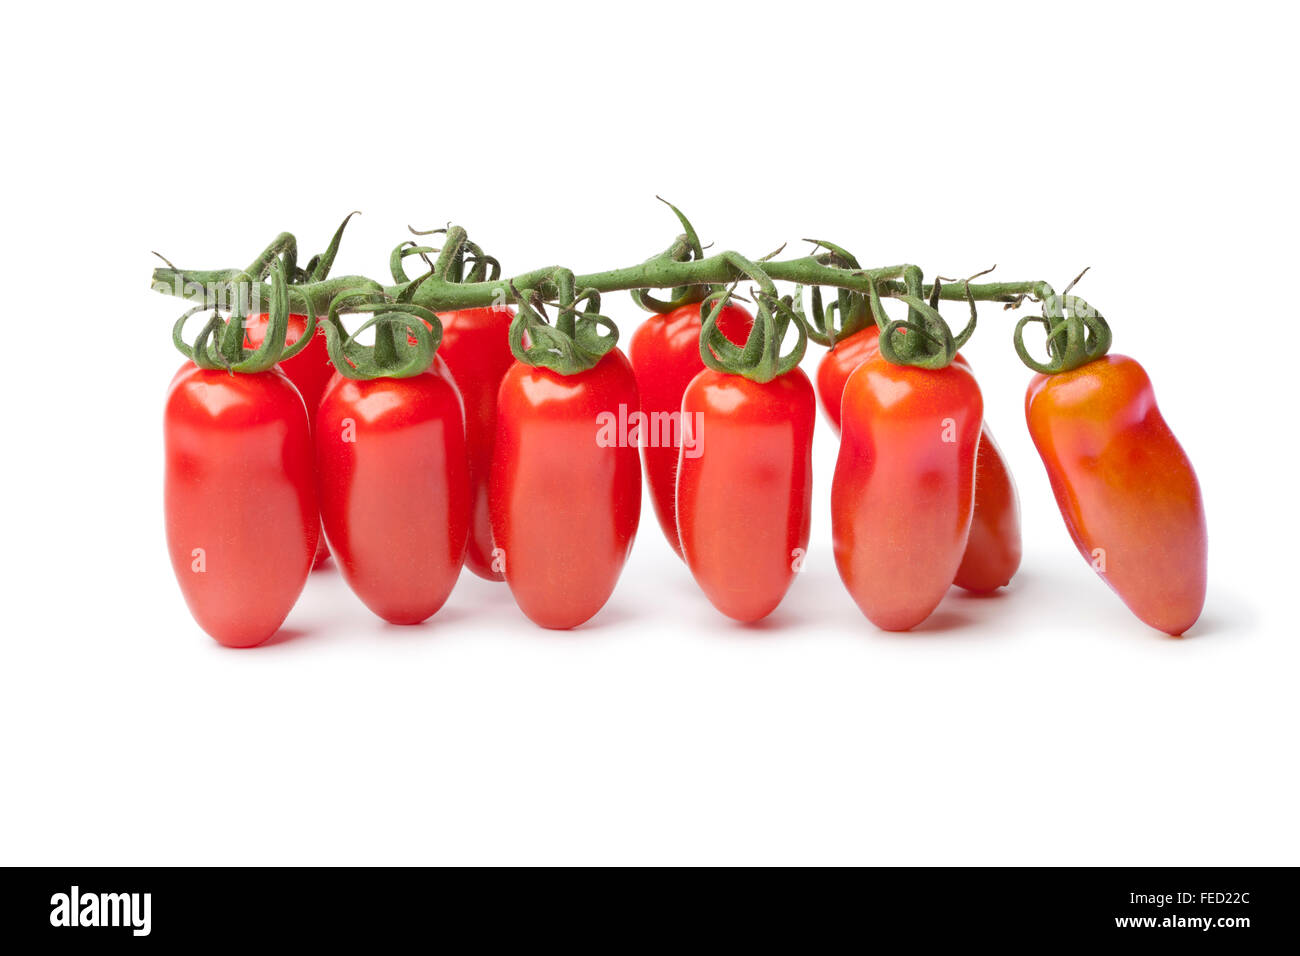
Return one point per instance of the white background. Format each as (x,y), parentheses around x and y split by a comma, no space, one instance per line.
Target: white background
(1046,725)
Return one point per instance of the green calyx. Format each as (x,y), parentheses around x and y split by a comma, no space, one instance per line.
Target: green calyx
(760,358)
(1076,332)
(923,339)
(402,348)
(220,343)
(580,337)
(847,314)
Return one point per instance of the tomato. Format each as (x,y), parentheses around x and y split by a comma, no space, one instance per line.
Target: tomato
(394,489)
(1125,487)
(993,548)
(239,498)
(476,347)
(904,487)
(841,361)
(744,500)
(565,487)
(665,354)
(309,370)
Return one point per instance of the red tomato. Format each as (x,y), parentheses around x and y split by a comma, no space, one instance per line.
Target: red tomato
(839,362)
(240,499)
(1125,487)
(309,370)
(665,354)
(744,501)
(476,347)
(993,548)
(565,490)
(904,487)
(394,489)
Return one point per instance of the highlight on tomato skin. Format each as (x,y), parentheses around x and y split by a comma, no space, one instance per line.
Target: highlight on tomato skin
(1125,487)
(565,507)
(239,499)
(904,487)
(744,502)
(665,355)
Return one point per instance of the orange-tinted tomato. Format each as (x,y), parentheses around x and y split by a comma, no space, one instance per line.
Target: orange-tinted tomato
(1125,487)
(993,548)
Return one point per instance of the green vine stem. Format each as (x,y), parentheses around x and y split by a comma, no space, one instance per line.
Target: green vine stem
(1076,333)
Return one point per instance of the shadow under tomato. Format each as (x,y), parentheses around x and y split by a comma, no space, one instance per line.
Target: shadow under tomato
(429,627)
(283,636)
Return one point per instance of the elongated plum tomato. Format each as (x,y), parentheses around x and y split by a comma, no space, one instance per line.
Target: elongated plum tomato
(1125,487)
(665,354)
(309,370)
(840,361)
(394,489)
(239,498)
(476,347)
(744,487)
(566,489)
(993,549)
(904,487)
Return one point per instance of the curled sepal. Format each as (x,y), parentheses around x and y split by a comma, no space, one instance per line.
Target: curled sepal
(579,339)
(1076,334)
(402,348)
(923,339)
(397,259)
(760,358)
(685,248)
(847,314)
(650,303)
(220,345)
(318,269)
(849,308)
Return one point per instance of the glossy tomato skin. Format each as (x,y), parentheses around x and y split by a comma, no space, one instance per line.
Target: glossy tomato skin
(394,489)
(665,354)
(993,549)
(1125,487)
(744,501)
(239,498)
(310,371)
(476,347)
(904,487)
(840,361)
(565,492)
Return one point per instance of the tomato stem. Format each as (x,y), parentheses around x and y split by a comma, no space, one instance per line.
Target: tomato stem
(580,336)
